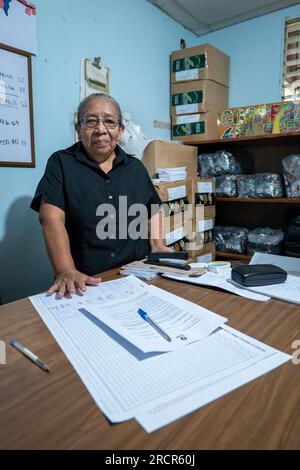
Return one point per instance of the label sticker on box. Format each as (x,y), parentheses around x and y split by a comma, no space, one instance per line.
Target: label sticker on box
(185,75)
(174,236)
(187,119)
(178,192)
(186,108)
(205,187)
(206,224)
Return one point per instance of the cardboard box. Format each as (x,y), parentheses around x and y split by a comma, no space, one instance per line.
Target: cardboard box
(263,119)
(179,245)
(198,97)
(160,154)
(178,226)
(179,192)
(206,254)
(205,224)
(195,127)
(209,212)
(203,254)
(198,63)
(174,229)
(202,232)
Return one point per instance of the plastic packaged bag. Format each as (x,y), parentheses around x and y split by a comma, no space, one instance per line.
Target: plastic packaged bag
(231,239)
(133,141)
(268,185)
(260,185)
(245,186)
(265,239)
(226,185)
(291,175)
(218,163)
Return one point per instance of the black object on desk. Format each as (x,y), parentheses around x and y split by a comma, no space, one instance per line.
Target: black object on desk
(252,275)
(170,264)
(174,259)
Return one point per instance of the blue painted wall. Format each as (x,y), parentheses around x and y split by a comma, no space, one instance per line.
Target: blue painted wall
(255,48)
(134,39)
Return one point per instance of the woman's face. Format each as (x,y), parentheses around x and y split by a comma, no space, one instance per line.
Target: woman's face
(99,141)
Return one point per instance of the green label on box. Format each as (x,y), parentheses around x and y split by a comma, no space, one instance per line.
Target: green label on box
(189,97)
(189,128)
(187,63)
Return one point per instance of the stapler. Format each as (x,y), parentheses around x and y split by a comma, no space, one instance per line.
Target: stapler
(173,255)
(176,259)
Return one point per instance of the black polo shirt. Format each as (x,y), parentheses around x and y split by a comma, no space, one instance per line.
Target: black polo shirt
(77,185)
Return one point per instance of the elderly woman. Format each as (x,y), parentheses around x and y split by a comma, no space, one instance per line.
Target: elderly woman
(80,185)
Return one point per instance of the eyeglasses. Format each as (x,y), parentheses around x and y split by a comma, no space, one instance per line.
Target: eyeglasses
(92,122)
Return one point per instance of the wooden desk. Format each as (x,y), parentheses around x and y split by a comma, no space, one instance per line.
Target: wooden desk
(55,411)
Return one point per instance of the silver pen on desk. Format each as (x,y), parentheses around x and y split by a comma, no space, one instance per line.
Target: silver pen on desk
(30,355)
(151,322)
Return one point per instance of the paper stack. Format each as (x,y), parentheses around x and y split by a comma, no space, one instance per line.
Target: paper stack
(144,273)
(105,339)
(172,174)
(150,271)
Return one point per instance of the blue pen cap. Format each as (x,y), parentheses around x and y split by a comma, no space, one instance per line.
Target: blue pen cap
(142,313)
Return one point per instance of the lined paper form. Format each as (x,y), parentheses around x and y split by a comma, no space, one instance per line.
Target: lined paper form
(127,383)
(183,321)
(227,360)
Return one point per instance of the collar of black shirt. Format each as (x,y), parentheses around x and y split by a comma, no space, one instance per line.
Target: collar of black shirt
(81,155)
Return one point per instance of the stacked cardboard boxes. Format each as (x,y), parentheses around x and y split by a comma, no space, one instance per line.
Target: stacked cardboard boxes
(176,195)
(199,89)
(177,199)
(204,212)
(189,205)
(184,200)
(161,154)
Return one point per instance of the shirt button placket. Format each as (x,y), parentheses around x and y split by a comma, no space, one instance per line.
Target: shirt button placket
(110,197)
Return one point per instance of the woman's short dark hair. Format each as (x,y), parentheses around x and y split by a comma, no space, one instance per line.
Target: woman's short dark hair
(85,102)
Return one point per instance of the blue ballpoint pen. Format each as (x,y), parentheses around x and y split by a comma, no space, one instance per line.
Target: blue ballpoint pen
(146,317)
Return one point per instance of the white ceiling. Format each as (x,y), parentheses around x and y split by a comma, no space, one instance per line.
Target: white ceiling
(204,16)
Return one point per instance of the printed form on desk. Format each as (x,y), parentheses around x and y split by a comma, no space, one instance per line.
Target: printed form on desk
(183,321)
(158,387)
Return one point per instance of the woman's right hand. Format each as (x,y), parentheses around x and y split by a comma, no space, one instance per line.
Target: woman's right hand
(67,282)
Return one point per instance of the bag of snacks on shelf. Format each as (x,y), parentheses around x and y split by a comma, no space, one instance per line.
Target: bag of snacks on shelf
(245,186)
(268,185)
(226,185)
(218,163)
(231,239)
(265,239)
(291,175)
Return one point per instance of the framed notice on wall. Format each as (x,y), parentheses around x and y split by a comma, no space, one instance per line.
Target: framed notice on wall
(16,113)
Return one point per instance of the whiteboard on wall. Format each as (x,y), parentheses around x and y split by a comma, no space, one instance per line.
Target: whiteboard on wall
(16,115)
